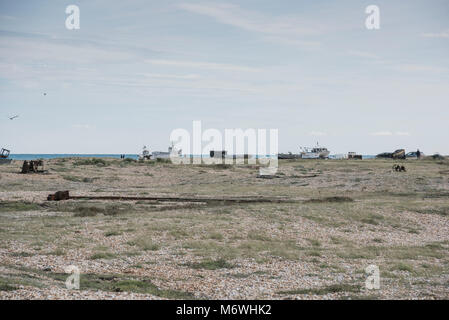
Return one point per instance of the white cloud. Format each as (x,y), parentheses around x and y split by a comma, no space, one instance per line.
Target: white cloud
(363,54)
(5,17)
(81,126)
(382,133)
(317,133)
(201,65)
(285,29)
(293,41)
(389,133)
(418,68)
(30,62)
(36,51)
(172,76)
(443,34)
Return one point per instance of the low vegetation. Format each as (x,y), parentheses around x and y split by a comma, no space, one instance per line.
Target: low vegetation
(18,206)
(346,216)
(91,162)
(334,288)
(211,264)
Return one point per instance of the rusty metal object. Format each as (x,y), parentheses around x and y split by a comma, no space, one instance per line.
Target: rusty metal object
(398,154)
(64,195)
(33,166)
(60,195)
(25,167)
(399,168)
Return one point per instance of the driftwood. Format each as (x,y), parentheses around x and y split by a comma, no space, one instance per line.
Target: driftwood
(65,195)
(306,176)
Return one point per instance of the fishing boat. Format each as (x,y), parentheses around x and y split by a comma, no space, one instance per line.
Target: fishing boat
(146,155)
(288,155)
(397,154)
(172,151)
(314,152)
(4,156)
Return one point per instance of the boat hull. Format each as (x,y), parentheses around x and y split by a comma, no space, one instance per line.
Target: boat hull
(160,155)
(315,155)
(5,161)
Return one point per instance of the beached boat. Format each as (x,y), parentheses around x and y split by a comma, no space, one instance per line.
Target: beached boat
(4,156)
(414,155)
(172,151)
(288,155)
(314,153)
(146,155)
(398,154)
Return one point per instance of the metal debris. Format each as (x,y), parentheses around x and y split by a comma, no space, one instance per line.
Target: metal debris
(60,195)
(399,168)
(33,166)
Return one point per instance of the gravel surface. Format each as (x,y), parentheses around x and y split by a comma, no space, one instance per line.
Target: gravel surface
(308,250)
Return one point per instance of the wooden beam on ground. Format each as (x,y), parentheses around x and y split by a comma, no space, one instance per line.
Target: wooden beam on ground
(64,195)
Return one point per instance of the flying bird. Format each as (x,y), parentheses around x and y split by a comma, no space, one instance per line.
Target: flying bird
(12,118)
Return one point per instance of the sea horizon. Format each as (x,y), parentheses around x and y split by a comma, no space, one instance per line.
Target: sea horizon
(46,156)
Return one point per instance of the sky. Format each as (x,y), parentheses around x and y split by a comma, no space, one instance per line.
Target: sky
(138,69)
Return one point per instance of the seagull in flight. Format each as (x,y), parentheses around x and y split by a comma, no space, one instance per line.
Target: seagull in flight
(12,118)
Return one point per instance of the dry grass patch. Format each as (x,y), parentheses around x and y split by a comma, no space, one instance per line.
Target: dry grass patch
(102,255)
(18,206)
(144,243)
(211,264)
(334,288)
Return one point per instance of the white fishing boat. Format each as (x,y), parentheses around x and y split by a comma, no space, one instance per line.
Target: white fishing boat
(146,155)
(172,151)
(314,153)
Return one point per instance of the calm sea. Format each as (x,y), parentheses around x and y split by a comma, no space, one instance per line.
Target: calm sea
(54,156)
